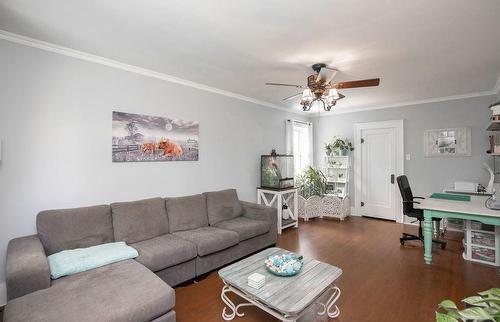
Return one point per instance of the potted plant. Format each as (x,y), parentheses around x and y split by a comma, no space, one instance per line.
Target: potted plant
(311,182)
(341,146)
(328,148)
(482,307)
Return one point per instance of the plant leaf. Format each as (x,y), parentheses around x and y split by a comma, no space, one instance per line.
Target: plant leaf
(440,317)
(489,300)
(475,300)
(493,292)
(448,305)
(475,313)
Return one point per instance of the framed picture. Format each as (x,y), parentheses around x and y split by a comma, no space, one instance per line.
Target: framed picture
(139,138)
(447,142)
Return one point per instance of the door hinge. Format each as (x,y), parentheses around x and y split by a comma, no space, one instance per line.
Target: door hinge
(362,140)
(362,204)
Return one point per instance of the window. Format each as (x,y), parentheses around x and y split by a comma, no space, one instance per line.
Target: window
(299,143)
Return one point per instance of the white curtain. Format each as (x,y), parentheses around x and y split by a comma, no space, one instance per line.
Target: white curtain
(299,143)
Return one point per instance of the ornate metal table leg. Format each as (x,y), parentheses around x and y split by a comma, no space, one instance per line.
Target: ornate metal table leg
(331,303)
(232,307)
(229,304)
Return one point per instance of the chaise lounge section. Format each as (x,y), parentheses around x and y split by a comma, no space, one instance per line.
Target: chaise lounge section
(177,240)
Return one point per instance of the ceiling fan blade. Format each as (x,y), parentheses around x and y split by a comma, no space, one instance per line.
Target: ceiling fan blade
(326,75)
(290,85)
(292,96)
(358,83)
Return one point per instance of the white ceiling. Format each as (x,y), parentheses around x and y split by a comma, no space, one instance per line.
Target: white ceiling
(421,49)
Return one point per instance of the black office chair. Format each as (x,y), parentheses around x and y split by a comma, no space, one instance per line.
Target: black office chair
(408,210)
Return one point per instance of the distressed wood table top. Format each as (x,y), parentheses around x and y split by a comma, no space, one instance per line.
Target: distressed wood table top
(288,295)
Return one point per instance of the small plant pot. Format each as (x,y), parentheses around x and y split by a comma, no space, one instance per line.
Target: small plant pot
(341,152)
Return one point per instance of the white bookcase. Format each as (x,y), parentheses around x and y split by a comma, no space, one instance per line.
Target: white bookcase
(482,243)
(337,171)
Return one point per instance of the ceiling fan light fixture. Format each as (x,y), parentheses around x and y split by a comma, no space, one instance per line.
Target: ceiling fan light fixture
(307,96)
(333,93)
(320,88)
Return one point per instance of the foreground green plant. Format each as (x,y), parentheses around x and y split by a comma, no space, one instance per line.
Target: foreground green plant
(311,182)
(482,307)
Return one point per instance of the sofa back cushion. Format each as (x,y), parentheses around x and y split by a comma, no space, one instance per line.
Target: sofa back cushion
(136,221)
(223,205)
(186,213)
(65,229)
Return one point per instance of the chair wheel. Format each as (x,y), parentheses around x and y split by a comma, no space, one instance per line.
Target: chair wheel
(402,242)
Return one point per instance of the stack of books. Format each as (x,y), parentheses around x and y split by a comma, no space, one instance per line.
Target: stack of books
(256,280)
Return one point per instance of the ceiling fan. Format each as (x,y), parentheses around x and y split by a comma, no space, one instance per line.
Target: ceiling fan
(320,88)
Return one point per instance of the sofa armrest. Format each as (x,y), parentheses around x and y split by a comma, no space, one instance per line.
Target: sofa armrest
(260,212)
(27,267)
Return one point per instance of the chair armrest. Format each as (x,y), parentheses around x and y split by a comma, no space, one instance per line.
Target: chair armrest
(411,202)
(260,212)
(27,267)
(418,198)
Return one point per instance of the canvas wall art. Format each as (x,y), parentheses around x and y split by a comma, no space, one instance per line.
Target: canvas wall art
(139,138)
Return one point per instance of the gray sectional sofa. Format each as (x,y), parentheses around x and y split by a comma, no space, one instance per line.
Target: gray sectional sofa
(177,240)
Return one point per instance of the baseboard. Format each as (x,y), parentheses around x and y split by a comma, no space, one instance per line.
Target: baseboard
(3,294)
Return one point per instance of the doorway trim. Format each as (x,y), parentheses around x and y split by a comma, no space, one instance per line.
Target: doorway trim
(358,127)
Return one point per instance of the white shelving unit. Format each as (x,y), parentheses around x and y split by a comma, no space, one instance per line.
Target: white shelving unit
(337,171)
(481,243)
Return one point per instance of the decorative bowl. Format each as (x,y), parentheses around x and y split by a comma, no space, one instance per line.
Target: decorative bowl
(285,264)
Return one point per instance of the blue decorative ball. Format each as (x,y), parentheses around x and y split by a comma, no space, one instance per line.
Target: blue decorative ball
(277,262)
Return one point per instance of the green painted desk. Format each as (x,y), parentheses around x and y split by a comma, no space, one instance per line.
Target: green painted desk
(440,208)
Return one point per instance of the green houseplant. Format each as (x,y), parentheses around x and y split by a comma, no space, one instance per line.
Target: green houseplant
(482,307)
(311,182)
(340,146)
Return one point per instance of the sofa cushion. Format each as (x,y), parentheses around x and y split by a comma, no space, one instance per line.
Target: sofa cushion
(136,221)
(223,205)
(185,213)
(245,227)
(124,291)
(209,240)
(74,228)
(164,251)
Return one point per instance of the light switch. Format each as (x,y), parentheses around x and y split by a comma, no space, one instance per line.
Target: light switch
(408,157)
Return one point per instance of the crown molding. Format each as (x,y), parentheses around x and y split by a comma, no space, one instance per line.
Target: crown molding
(47,46)
(409,103)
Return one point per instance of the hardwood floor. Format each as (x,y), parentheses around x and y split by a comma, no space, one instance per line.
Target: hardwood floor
(381,281)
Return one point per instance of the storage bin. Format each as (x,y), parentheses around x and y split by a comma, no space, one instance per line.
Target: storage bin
(482,239)
(483,254)
(476,225)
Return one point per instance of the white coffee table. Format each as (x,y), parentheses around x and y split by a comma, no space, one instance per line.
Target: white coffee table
(286,298)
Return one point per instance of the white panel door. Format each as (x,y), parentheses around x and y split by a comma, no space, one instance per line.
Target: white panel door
(378,169)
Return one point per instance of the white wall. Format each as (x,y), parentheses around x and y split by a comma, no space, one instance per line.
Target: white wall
(55,124)
(426,175)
